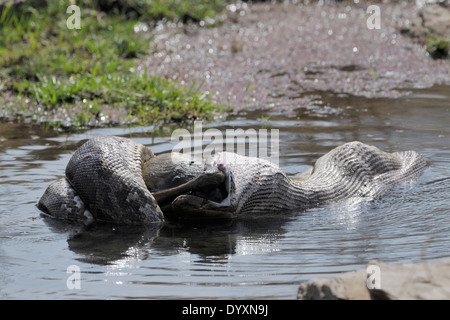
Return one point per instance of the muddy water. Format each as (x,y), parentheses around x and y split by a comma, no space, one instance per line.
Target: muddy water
(252,259)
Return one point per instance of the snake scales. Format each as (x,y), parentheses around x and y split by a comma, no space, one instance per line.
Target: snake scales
(116,179)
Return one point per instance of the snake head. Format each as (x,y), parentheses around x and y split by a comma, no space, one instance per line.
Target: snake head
(215,200)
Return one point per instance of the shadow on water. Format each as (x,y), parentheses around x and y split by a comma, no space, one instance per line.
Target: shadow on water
(260,258)
(215,241)
(104,243)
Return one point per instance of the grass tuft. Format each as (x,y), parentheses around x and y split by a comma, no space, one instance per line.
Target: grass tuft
(57,68)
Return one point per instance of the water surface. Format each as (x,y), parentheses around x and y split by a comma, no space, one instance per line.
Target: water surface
(264,258)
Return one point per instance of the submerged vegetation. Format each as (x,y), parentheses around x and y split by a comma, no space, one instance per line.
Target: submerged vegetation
(88,75)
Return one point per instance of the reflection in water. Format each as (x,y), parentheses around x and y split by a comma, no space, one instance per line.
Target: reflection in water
(222,241)
(107,244)
(242,259)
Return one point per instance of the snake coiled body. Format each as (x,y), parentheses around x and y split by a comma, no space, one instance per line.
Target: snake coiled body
(108,179)
(353,170)
(106,176)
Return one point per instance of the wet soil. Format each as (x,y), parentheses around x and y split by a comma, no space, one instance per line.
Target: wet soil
(283,56)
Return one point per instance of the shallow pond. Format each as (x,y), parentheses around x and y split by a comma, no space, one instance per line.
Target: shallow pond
(262,259)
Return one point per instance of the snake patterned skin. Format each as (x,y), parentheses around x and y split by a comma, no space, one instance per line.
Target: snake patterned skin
(353,170)
(105,174)
(104,181)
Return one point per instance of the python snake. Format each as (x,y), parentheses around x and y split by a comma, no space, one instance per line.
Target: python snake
(116,179)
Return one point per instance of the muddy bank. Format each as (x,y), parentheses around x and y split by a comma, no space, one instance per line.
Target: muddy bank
(280,56)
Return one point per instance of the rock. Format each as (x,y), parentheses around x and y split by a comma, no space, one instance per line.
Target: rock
(348,286)
(427,281)
(434,19)
(432,28)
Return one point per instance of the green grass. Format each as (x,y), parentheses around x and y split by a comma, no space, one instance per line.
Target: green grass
(437,47)
(175,9)
(85,70)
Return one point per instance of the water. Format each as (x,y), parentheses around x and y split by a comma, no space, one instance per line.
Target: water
(263,259)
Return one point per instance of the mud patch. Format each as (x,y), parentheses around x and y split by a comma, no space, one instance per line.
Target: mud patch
(273,56)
